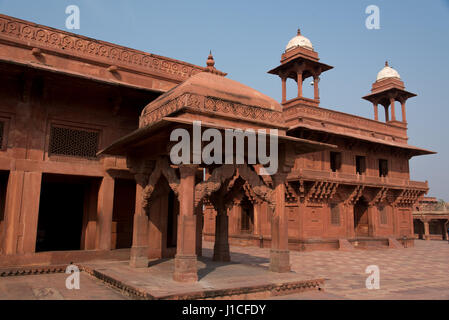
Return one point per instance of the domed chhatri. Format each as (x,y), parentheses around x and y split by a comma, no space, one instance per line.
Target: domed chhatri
(299,41)
(387,72)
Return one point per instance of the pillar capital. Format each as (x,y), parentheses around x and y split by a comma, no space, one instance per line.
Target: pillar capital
(187,170)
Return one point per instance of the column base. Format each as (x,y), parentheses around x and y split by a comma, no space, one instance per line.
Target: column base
(221,253)
(185,269)
(138,257)
(280,261)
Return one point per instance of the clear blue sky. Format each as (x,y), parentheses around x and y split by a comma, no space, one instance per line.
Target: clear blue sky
(248,37)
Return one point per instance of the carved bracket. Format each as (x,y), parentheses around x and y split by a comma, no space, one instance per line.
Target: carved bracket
(355,195)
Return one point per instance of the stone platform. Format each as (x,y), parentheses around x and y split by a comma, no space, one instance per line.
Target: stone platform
(215,281)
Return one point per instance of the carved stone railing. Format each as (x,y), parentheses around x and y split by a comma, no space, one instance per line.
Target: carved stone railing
(347,178)
(295,112)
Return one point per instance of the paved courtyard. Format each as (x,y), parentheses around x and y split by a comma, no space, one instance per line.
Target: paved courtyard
(421,272)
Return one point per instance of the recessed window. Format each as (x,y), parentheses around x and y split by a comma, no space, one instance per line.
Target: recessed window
(335,214)
(383,168)
(360,164)
(335,161)
(73,142)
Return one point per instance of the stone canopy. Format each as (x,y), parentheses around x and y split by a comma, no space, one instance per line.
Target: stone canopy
(221,104)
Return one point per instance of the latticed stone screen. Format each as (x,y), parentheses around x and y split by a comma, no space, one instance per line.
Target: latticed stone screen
(73,142)
(335,214)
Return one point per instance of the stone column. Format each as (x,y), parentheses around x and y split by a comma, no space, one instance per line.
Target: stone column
(426,230)
(30,212)
(256,220)
(404,119)
(185,259)
(221,245)
(104,213)
(299,80)
(393,112)
(284,89)
(139,249)
(376,111)
(279,254)
(12,212)
(316,91)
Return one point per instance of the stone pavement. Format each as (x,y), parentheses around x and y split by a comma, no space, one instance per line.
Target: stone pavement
(52,287)
(421,272)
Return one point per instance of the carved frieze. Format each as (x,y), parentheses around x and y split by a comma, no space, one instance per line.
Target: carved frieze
(210,104)
(33,34)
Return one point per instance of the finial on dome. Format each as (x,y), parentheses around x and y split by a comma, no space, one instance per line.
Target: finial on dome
(299,32)
(210,61)
(386,63)
(211,66)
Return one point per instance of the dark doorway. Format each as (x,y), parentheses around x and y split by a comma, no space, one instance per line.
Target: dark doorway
(123,213)
(247,216)
(61,211)
(418,227)
(172,220)
(361,224)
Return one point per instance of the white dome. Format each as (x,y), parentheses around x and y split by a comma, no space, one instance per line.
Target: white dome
(387,72)
(299,41)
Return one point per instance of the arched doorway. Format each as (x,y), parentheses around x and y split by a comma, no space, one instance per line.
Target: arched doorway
(361,223)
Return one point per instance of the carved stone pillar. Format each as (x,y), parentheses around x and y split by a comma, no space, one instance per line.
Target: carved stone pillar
(279,254)
(376,111)
(284,89)
(139,249)
(299,81)
(104,213)
(404,119)
(316,91)
(393,112)
(387,116)
(221,246)
(426,230)
(186,259)
(256,218)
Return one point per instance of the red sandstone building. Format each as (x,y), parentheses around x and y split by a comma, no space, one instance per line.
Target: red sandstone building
(344,180)
(430,219)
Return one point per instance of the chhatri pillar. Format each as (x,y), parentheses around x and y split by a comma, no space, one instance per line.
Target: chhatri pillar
(299,62)
(186,259)
(387,89)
